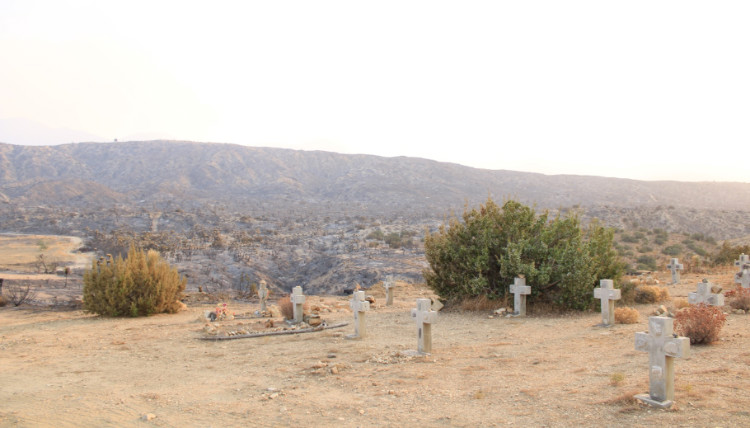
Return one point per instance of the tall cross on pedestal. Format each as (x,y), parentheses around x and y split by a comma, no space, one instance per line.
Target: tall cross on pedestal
(675,266)
(388,285)
(424,318)
(359,306)
(519,289)
(298,301)
(608,294)
(662,348)
(263,295)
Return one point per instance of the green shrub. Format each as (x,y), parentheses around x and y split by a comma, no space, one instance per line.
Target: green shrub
(482,255)
(672,250)
(701,323)
(646,262)
(142,284)
(727,254)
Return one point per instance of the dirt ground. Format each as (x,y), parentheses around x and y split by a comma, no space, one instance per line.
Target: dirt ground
(67,368)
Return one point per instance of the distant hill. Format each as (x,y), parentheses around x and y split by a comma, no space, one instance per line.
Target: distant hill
(72,174)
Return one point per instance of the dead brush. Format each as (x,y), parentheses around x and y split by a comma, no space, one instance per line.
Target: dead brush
(651,294)
(701,323)
(627,316)
(481,304)
(287,308)
(739,298)
(681,303)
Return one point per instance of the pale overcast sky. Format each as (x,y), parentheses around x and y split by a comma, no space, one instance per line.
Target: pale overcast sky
(636,89)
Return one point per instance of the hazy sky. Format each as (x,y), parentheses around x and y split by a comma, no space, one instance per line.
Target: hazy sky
(637,89)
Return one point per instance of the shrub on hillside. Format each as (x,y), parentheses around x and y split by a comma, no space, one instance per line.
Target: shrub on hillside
(727,254)
(140,285)
(651,294)
(701,323)
(482,255)
(627,315)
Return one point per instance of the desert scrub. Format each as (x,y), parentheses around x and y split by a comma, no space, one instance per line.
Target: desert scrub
(286,307)
(701,323)
(739,298)
(627,316)
(651,294)
(140,285)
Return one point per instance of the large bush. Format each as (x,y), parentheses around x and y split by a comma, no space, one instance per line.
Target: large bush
(142,284)
(481,255)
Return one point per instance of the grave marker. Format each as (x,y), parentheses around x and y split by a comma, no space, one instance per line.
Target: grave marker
(359,306)
(298,300)
(519,289)
(742,262)
(675,266)
(662,348)
(424,318)
(388,291)
(743,278)
(705,296)
(608,294)
(263,295)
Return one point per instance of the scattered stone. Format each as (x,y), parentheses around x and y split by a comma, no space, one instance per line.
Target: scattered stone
(314,320)
(148,417)
(500,311)
(370,299)
(663,347)
(334,370)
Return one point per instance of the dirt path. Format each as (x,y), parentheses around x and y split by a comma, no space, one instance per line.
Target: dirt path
(72,369)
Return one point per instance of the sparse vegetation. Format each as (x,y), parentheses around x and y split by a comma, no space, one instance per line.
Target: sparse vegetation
(142,284)
(727,254)
(701,323)
(739,298)
(482,254)
(627,315)
(18,292)
(651,294)
(672,250)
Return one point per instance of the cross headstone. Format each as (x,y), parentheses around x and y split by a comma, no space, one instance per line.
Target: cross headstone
(662,347)
(675,266)
(388,291)
(743,261)
(608,294)
(359,306)
(263,295)
(424,318)
(705,296)
(298,300)
(743,277)
(519,289)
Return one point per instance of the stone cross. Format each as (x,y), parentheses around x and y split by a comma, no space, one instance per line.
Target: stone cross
(662,347)
(263,295)
(675,266)
(608,294)
(519,290)
(298,300)
(359,306)
(744,260)
(705,296)
(388,291)
(424,318)
(743,277)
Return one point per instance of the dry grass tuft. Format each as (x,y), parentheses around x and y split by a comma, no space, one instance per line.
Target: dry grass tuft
(680,304)
(286,307)
(626,398)
(627,316)
(651,294)
(480,304)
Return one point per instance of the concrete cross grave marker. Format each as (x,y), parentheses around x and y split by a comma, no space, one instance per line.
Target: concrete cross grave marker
(608,294)
(742,262)
(675,267)
(388,291)
(298,301)
(662,347)
(743,277)
(519,289)
(263,295)
(705,296)
(424,318)
(359,306)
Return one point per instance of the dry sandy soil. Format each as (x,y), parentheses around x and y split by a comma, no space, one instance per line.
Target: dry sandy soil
(68,368)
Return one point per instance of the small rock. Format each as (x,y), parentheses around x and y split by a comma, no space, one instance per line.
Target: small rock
(501,311)
(148,417)
(716,289)
(370,299)
(334,370)
(332,355)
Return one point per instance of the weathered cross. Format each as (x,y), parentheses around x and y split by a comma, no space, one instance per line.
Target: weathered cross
(424,318)
(742,262)
(298,300)
(608,294)
(388,291)
(359,306)
(743,277)
(662,348)
(519,289)
(705,296)
(675,266)
(263,295)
